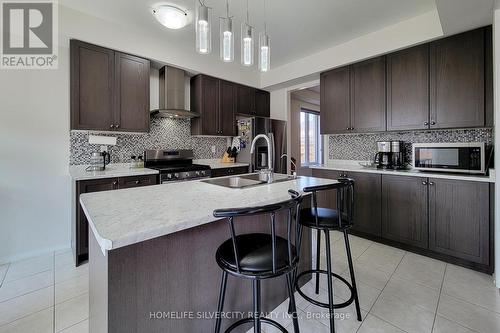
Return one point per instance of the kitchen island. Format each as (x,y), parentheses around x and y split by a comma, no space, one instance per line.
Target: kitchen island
(152,254)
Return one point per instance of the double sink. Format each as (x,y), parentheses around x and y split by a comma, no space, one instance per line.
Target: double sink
(243,181)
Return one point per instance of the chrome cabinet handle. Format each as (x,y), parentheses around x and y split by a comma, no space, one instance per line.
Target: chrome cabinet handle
(137,182)
(426,123)
(111,126)
(117,126)
(431,183)
(424,183)
(433,122)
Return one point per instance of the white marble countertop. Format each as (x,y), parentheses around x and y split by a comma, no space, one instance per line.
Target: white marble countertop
(78,172)
(347,165)
(217,164)
(124,217)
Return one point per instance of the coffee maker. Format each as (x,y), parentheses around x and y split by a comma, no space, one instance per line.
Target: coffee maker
(390,155)
(383,157)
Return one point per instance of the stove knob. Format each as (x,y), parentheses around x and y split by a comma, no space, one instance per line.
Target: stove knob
(203,173)
(169,176)
(197,173)
(176,176)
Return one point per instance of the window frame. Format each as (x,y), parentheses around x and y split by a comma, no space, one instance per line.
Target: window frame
(319,145)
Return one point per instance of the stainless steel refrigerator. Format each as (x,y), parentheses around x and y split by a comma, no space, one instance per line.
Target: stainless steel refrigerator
(248,128)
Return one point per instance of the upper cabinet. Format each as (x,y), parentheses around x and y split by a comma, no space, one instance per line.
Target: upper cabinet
(109,89)
(368,96)
(408,89)
(215,101)
(252,102)
(262,103)
(353,98)
(457,81)
(444,84)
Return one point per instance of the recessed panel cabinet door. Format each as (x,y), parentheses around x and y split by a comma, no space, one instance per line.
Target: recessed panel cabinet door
(367,202)
(327,199)
(335,101)
(92,86)
(404,210)
(459,219)
(227,108)
(457,81)
(245,100)
(262,103)
(408,89)
(132,93)
(368,96)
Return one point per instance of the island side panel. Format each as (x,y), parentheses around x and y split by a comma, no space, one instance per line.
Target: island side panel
(176,275)
(98,287)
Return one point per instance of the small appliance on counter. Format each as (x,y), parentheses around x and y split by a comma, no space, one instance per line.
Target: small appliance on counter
(461,157)
(390,155)
(98,161)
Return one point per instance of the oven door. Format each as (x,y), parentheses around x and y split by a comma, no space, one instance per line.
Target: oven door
(450,157)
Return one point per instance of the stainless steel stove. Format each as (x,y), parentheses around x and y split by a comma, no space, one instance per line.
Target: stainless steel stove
(175,165)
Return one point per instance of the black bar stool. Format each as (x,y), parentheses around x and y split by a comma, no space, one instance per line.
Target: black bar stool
(326,220)
(259,256)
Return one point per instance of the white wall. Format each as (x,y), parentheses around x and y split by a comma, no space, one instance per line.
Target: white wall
(496,98)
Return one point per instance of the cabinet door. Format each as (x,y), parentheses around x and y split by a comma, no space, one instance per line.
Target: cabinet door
(227,122)
(262,103)
(367,202)
(246,100)
(92,86)
(209,105)
(131,93)
(335,101)
(408,89)
(368,96)
(82,227)
(457,81)
(459,219)
(137,181)
(405,210)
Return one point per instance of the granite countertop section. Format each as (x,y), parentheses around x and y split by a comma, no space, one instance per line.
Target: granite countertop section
(217,164)
(78,172)
(124,217)
(348,165)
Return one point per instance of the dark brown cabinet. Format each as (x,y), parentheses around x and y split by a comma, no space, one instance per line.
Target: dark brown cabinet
(131,93)
(335,101)
(457,78)
(229,171)
(262,103)
(368,96)
(80,232)
(215,101)
(245,100)
(109,89)
(405,210)
(459,219)
(408,89)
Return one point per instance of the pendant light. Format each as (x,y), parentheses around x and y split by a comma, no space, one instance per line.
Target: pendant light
(226,36)
(247,41)
(264,47)
(203,28)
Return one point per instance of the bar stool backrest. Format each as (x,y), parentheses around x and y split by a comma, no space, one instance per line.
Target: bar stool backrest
(292,206)
(345,200)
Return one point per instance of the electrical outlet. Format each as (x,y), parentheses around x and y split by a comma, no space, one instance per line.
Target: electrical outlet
(213,150)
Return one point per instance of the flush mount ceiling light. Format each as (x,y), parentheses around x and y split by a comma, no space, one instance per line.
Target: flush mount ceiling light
(171,17)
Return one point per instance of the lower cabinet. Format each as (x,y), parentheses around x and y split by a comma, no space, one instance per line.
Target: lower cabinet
(405,210)
(459,218)
(228,171)
(80,233)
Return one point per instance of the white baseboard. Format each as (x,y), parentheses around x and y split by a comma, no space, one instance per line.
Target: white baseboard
(32,254)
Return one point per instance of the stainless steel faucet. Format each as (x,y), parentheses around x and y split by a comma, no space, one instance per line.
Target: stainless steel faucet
(270,167)
(292,162)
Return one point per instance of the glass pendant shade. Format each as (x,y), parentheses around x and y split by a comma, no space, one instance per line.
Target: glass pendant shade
(247,42)
(264,52)
(203,29)
(226,39)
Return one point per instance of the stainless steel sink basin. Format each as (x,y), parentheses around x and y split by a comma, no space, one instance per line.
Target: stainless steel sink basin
(243,181)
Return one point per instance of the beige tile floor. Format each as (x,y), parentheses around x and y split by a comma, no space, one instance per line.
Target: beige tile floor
(399,292)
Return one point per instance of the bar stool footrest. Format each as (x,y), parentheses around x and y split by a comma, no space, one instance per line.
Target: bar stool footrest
(251,319)
(321,304)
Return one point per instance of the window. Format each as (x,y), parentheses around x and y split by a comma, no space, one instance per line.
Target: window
(310,139)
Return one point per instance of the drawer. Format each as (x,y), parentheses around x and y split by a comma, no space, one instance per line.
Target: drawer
(229,171)
(137,181)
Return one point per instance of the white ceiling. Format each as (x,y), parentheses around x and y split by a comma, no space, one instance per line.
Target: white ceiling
(297,28)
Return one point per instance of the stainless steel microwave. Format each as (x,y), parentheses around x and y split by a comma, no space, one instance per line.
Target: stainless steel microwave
(463,157)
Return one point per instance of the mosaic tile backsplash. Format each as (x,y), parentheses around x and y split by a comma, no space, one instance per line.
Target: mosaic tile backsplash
(364,146)
(165,133)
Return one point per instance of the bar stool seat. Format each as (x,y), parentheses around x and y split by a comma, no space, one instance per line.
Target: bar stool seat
(326,219)
(255,252)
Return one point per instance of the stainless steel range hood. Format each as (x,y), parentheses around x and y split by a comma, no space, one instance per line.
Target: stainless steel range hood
(172,94)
